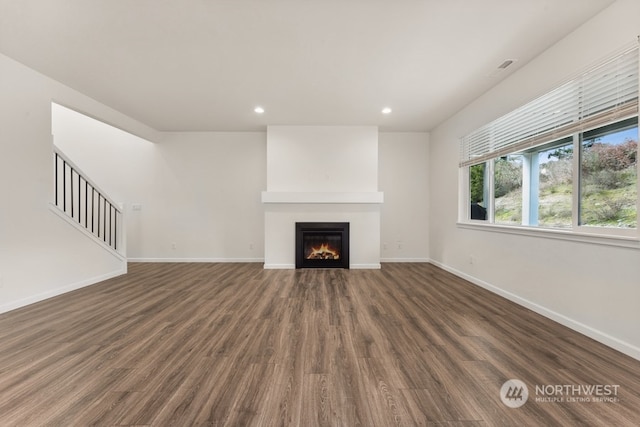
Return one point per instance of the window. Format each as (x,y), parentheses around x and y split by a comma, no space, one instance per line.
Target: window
(478,191)
(609,176)
(567,160)
(555,191)
(507,182)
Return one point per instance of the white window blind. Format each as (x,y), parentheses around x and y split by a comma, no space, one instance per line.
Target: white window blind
(603,94)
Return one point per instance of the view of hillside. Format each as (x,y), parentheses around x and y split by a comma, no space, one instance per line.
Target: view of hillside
(608,191)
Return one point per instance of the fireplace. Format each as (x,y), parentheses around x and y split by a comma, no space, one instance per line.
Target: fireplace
(322,245)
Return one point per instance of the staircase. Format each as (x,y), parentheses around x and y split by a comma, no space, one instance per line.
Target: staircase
(86,206)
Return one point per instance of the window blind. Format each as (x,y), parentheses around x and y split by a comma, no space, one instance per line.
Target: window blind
(598,96)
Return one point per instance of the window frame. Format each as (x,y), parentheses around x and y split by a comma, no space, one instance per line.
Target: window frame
(627,237)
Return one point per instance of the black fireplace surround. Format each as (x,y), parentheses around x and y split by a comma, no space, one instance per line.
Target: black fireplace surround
(322,245)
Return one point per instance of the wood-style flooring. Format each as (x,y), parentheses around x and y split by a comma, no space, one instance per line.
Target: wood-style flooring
(236,345)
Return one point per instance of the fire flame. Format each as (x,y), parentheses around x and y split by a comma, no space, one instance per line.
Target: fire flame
(323,252)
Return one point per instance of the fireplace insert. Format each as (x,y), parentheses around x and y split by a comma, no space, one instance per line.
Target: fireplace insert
(322,245)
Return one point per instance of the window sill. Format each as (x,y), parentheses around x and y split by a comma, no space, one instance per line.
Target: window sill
(546,233)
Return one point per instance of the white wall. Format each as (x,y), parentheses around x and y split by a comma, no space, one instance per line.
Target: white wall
(591,288)
(41,255)
(192,196)
(322,158)
(404,179)
(210,203)
(201,191)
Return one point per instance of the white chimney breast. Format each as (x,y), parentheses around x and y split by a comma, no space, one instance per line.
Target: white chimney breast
(322,159)
(322,174)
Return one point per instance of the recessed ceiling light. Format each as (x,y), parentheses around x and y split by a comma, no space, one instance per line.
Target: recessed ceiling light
(259,110)
(386,110)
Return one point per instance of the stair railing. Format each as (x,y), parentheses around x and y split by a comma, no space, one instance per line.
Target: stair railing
(85,203)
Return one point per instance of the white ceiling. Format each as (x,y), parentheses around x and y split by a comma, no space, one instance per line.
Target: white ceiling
(203,65)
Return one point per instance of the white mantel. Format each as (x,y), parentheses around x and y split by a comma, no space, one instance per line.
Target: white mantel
(322,174)
(374,197)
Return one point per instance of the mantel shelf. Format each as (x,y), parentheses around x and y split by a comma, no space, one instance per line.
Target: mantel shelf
(373,197)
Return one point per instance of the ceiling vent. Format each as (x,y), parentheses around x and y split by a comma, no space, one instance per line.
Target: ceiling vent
(505,64)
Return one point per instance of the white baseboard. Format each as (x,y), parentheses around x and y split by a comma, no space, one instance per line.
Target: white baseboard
(365,266)
(279,266)
(267,266)
(404,260)
(59,291)
(212,260)
(606,339)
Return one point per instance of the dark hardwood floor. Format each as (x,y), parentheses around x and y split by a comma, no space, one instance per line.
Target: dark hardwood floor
(233,344)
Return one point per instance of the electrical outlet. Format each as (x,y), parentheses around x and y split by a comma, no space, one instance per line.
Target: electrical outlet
(384,246)
(173,246)
(471,259)
(250,246)
(136,207)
